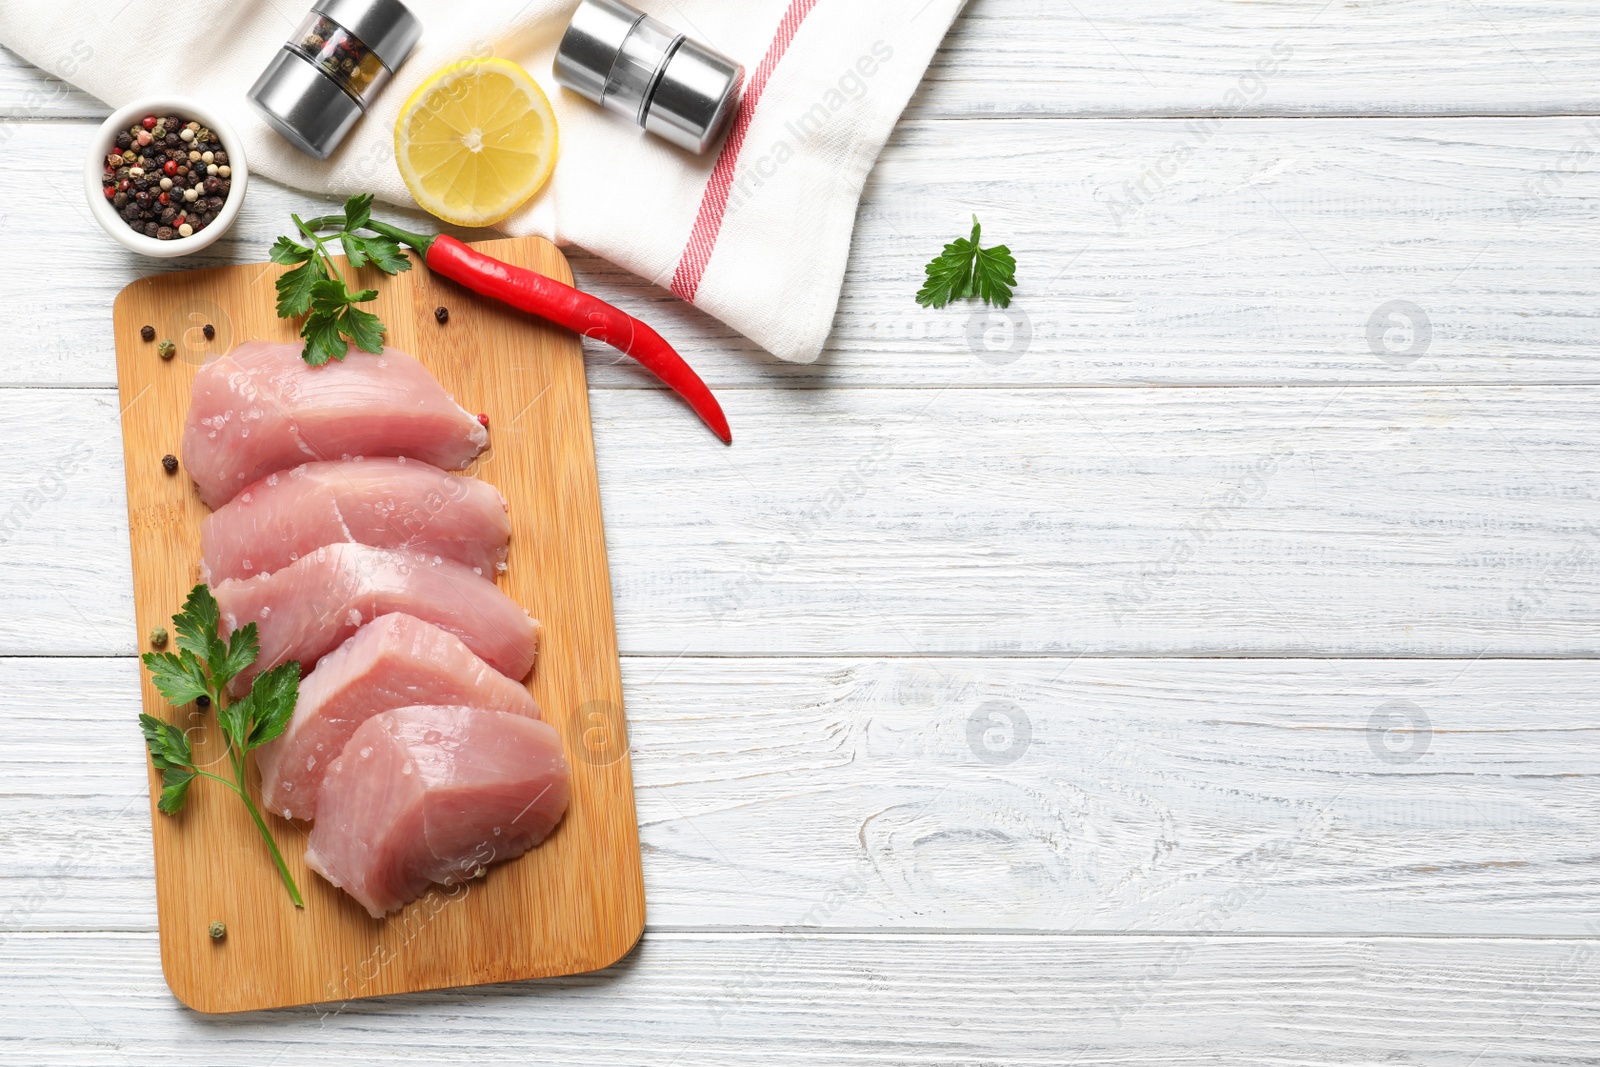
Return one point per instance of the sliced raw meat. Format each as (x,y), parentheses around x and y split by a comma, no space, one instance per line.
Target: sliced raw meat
(383,502)
(261,408)
(309,608)
(431,795)
(395,661)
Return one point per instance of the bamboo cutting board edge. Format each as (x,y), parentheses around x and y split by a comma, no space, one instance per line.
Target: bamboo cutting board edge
(574,904)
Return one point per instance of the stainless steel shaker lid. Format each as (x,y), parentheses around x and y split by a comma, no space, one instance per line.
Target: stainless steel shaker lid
(387,27)
(591,45)
(303,104)
(698,93)
(636,65)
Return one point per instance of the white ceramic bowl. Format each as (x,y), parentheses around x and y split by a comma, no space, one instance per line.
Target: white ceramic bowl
(105,139)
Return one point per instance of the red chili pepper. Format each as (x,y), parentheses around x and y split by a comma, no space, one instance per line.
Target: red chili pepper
(565,306)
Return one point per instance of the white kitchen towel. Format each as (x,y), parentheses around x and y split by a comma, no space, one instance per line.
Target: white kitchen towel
(756,234)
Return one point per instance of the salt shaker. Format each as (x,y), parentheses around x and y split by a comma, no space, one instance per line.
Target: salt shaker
(327,74)
(638,66)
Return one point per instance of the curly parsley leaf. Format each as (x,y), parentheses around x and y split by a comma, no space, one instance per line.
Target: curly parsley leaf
(966,269)
(172,756)
(243,647)
(364,329)
(265,710)
(286,251)
(317,290)
(197,626)
(357,210)
(202,666)
(294,288)
(180,676)
(323,342)
(381,252)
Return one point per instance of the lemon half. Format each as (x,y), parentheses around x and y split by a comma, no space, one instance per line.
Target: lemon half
(475,141)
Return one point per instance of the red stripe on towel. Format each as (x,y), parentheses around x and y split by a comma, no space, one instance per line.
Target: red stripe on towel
(714,203)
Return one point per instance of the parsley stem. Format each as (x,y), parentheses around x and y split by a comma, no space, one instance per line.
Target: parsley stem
(318,244)
(277,857)
(236,757)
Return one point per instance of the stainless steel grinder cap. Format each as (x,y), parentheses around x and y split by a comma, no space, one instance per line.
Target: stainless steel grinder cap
(326,76)
(636,65)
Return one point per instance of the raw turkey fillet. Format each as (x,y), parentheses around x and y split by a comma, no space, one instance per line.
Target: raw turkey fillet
(430,795)
(307,609)
(261,408)
(394,661)
(383,502)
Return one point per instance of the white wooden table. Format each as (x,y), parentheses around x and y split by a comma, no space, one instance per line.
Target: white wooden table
(1288,591)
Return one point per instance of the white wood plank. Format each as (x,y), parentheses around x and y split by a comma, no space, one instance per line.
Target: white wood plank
(1206,796)
(807,1000)
(1264,259)
(29,93)
(1389,522)
(1100,57)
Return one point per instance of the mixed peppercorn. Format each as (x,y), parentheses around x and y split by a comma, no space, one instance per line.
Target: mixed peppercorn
(168,177)
(340,53)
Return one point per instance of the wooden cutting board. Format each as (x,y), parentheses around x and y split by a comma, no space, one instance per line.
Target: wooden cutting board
(574,904)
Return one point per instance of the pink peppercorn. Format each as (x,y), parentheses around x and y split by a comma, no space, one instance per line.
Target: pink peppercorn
(149,122)
(483,418)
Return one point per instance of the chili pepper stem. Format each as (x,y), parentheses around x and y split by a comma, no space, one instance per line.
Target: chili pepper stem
(553,301)
(405,237)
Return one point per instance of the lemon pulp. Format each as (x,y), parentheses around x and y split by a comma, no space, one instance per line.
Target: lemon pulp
(475,141)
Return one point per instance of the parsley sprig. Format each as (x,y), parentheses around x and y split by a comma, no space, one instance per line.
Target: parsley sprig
(316,289)
(964,269)
(203,666)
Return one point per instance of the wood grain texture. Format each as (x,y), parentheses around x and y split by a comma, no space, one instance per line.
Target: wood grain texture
(1164,796)
(574,904)
(1387,522)
(1261,258)
(1405,534)
(803,1000)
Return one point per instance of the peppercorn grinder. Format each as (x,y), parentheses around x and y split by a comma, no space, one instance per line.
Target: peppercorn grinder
(326,76)
(635,65)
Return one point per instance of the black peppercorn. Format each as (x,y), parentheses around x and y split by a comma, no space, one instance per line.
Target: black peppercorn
(209,330)
(213,184)
(169,463)
(442,314)
(147,332)
(214,204)
(124,142)
(120,200)
(220,158)
(164,233)
(151,229)
(202,701)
